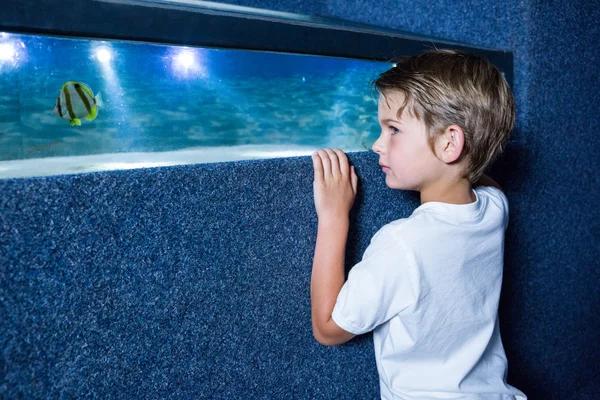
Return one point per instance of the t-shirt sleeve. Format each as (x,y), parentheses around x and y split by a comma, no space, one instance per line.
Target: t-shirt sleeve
(500,199)
(378,288)
(505,205)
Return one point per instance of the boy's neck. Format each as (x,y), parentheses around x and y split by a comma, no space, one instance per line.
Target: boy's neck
(455,193)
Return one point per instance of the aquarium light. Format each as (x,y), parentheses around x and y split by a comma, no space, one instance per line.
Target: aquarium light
(187,63)
(7,52)
(104,54)
(185,59)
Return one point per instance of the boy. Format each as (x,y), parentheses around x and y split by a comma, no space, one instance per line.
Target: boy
(428,285)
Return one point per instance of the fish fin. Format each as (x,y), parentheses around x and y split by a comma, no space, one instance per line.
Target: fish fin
(98,100)
(93,114)
(75,121)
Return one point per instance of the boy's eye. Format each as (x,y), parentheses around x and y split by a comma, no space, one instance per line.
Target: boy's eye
(394,130)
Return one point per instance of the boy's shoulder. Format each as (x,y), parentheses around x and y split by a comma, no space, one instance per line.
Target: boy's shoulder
(496,195)
(421,225)
(392,231)
(388,237)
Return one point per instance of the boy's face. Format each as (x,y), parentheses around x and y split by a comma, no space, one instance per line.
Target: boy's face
(403,147)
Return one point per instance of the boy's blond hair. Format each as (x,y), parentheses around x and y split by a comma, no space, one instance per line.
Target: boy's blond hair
(446,87)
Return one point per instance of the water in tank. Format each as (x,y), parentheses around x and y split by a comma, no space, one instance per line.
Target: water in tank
(71,105)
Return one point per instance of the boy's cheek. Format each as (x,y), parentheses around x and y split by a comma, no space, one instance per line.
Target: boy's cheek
(398,178)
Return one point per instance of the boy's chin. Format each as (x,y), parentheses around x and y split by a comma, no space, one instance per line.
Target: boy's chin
(392,183)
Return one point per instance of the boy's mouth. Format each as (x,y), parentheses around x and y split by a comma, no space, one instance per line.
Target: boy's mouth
(384,167)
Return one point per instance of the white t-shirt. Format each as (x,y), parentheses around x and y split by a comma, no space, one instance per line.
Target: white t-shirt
(429,286)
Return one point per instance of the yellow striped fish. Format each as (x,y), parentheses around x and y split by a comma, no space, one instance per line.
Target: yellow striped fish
(76,101)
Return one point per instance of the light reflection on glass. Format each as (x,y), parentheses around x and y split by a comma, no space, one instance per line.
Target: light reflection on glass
(7,52)
(186,62)
(113,91)
(12,51)
(104,54)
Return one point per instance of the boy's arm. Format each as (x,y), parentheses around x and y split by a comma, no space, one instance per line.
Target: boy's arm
(335,186)
(327,281)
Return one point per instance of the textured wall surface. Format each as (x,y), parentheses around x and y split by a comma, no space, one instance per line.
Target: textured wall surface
(194,281)
(179,282)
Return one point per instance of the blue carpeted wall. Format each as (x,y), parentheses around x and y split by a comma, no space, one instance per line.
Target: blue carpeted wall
(180,282)
(193,281)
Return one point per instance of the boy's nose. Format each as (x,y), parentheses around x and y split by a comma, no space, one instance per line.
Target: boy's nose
(378,146)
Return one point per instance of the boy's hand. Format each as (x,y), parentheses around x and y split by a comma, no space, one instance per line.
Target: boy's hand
(334,185)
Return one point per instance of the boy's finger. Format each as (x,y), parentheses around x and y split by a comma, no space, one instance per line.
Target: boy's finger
(343,161)
(326,164)
(354,180)
(335,165)
(318,167)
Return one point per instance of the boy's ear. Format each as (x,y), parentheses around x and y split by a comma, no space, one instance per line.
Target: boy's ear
(451,144)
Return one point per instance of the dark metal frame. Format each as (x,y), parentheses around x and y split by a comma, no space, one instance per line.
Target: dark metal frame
(198,23)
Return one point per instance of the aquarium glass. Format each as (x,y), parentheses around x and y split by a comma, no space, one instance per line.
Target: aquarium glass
(167,105)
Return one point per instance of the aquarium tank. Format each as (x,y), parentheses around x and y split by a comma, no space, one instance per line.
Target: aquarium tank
(155,105)
(121,84)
